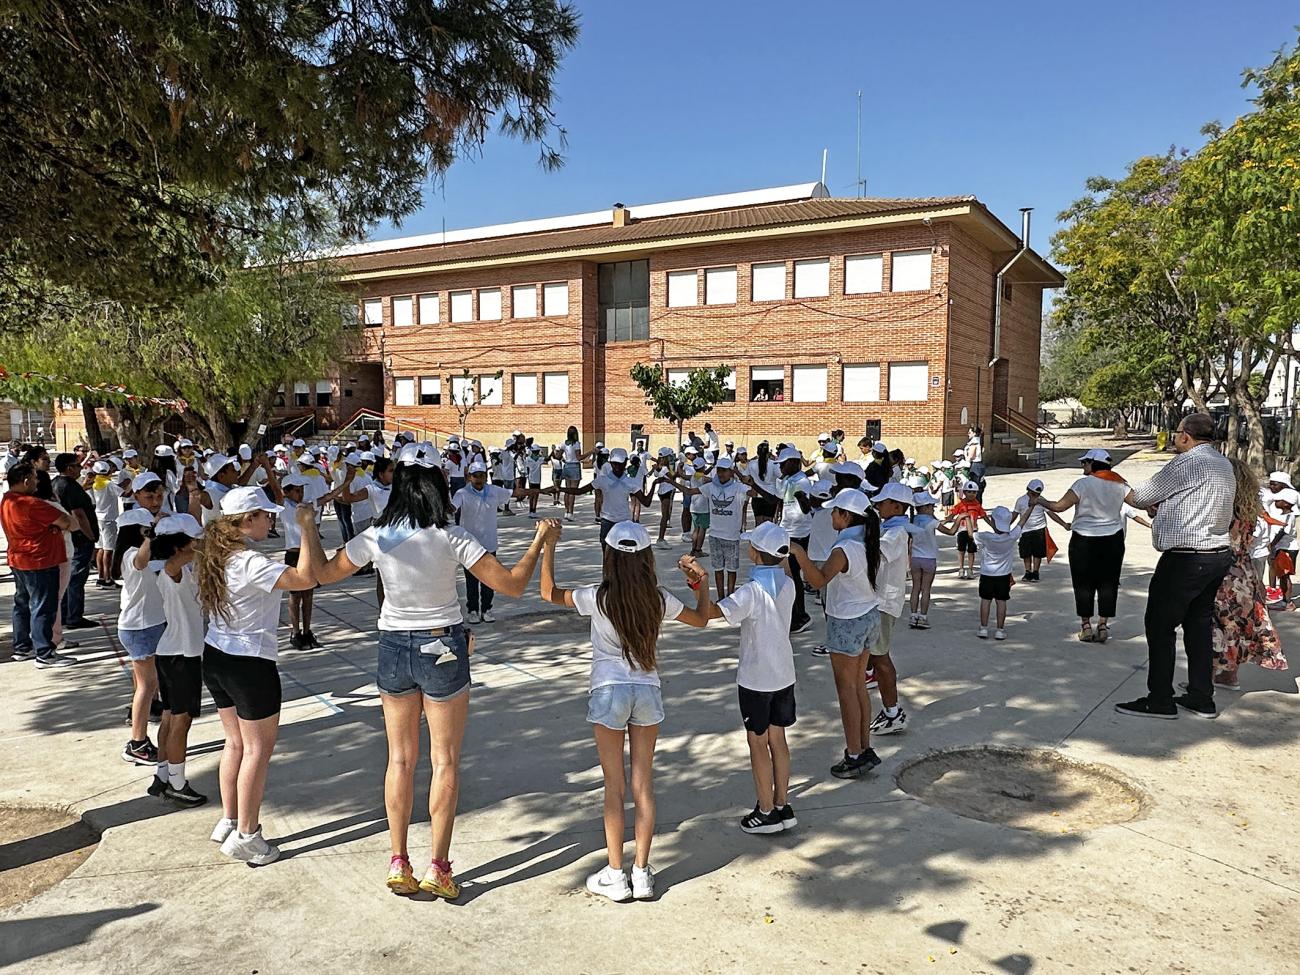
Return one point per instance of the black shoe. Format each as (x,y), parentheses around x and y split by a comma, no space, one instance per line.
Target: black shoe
(157,787)
(309,640)
(295,641)
(801,627)
(1027,577)
(27,654)
(786,813)
(81,624)
(140,753)
(1038,577)
(184,795)
(847,768)
(762,822)
(868,760)
(1143,707)
(1196,709)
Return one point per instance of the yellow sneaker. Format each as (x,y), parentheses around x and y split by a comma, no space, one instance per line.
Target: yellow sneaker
(440,883)
(400,878)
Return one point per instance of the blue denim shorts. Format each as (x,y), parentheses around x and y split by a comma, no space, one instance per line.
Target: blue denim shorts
(853,636)
(618,705)
(572,472)
(416,660)
(141,644)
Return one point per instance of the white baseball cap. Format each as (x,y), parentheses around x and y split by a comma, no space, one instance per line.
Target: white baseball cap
(293,480)
(142,481)
(618,456)
(917,481)
(725,463)
(135,516)
(849,467)
(788,453)
(728,443)
(1001,516)
(1034,485)
(771,538)
(245,452)
(101,467)
(182,524)
(280,449)
(352,458)
(851,500)
(306,458)
(969,486)
(821,488)
(879,447)
(419,455)
(893,491)
(517,433)
(476,467)
(628,536)
(1281,477)
(241,500)
(130,452)
(367,456)
(162,450)
(213,465)
(922,498)
(823,437)
(299,442)
(945,463)
(691,450)
(184,442)
(909,460)
(600,443)
(665,451)
(1097,453)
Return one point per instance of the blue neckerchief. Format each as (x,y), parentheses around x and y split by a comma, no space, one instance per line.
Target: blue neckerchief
(768,578)
(898,521)
(480,492)
(388,537)
(924,521)
(855,533)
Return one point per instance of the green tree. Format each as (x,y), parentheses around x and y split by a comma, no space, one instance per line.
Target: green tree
(140,143)
(703,389)
(1118,389)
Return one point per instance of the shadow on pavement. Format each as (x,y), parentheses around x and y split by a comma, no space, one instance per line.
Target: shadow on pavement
(23,939)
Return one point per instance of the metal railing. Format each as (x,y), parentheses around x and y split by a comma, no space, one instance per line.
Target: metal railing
(1017,423)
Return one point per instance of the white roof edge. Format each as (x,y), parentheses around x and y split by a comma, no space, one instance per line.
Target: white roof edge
(720,201)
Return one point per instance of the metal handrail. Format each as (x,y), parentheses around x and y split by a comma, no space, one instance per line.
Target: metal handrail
(1015,420)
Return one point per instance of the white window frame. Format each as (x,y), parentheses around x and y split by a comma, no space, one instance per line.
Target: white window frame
(720,285)
(683,289)
(529,304)
(462,385)
(910,280)
(815,282)
(555,299)
(766,272)
(403,311)
(462,306)
(429,303)
(813,389)
(555,388)
(528,388)
(372,311)
(901,374)
(489,304)
(861,382)
(404,391)
(864,274)
(425,390)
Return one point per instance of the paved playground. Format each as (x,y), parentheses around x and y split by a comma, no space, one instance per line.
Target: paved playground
(872,880)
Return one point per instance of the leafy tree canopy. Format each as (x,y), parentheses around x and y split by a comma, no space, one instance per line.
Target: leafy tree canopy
(702,390)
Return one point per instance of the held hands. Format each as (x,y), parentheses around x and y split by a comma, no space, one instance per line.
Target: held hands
(692,570)
(305,516)
(549,531)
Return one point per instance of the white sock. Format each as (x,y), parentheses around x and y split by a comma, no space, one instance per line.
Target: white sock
(161,772)
(892,712)
(176,774)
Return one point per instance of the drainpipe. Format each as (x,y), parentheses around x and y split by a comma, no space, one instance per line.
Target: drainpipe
(997,295)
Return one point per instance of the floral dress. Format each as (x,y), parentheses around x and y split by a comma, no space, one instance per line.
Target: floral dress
(1242,628)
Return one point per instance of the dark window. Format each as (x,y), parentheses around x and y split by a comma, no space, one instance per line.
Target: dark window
(1006,292)
(323,398)
(765,391)
(279,398)
(428,397)
(347,393)
(624,293)
(302,399)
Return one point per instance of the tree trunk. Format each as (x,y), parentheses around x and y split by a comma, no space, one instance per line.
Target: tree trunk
(94,433)
(1121,426)
(1254,449)
(141,427)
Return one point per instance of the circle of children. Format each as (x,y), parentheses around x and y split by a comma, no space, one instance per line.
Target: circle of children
(176,539)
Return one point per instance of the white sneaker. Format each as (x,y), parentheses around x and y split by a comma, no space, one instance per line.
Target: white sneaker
(610,883)
(643,883)
(999,634)
(486,617)
(686,537)
(568,516)
(473,617)
(663,543)
(251,849)
(223,829)
(982,633)
(911,620)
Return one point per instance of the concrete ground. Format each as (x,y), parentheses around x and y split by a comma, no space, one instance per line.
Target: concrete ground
(872,880)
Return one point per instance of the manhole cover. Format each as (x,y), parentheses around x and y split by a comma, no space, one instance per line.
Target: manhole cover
(39,846)
(1035,789)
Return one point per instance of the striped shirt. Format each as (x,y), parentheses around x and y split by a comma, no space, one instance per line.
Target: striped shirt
(1194,493)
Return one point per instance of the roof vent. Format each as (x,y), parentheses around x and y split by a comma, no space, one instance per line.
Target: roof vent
(620,215)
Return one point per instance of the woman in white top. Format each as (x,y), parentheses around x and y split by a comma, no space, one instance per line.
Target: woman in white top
(571,452)
(765,471)
(424,647)
(1096,541)
(240,590)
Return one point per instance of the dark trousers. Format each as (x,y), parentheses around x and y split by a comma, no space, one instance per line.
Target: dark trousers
(977,471)
(36,602)
(74,597)
(798,615)
(478,595)
(1182,593)
(1095,564)
(344,513)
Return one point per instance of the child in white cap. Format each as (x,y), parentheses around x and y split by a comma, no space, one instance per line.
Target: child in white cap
(966,514)
(892,503)
(106,491)
(925,555)
(821,539)
(997,565)
(724,495)
(1033,535)
(477,504)
(617,488)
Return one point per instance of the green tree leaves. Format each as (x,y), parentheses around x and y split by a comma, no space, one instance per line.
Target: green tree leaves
(703,389)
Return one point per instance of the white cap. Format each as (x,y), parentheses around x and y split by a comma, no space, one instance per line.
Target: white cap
(363,436)
(1281,477)
(299,442)
(969,486)
(245,452)
(306,458)
(184,442)
(945,463)
(893,491)
(182,524)
(618,456)
(352,458)
(628,536)
(280,449)
(1289,495)
(476,467)
(162,450)
(725,463)
(367,456)
(116,462)
(771,538)
(849,467)
(822,488)
(240,500)
(1034,485)
(453,445)
(599,444)
(916,482)
(517,433)
(788,453)
(130,452)
(690,450)
(293,480)
(419,455)
(728,443)
(700,463)
(922,498)
(823,437)
(909,460)
(1001,517)
(1097,453)
(851,500)
(135,516)
(142,481)
(214,464)
(742,449)
(879,447)
(332,452)
(101,467)
(959,453)
(665,451)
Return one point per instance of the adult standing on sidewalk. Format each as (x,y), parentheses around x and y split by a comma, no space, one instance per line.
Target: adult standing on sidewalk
(34,530)
(975,458)
(1193,499)
(85,523)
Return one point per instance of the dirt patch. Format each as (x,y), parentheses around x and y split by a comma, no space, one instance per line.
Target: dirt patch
(1033,789)
(38,848)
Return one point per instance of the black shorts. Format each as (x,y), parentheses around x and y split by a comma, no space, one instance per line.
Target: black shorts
(760,709)
(291,556)
(250,685)
(180,682)
(764,507)
(995,587)
(966,542)
(1033,544)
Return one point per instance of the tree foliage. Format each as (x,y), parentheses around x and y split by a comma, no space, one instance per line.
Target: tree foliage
(703,389)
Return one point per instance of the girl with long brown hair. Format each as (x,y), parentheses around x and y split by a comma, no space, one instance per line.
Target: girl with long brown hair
(626,610)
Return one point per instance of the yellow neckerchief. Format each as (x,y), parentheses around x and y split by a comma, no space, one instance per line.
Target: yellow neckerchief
(101,481)
(312,471)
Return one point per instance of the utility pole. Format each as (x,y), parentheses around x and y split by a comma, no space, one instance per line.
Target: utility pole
(861,186)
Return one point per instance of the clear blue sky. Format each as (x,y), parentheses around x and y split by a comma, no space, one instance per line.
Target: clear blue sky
(1014,102)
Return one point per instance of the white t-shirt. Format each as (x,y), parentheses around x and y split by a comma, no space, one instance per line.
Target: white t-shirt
(254,608)
(418,568)
(766,658)
(714,444)
(726,505)
(663,486)
(1100,502)
(533,465)
(141,602)
(572,451)
(216,491)
(503,468)
(998,551)
(364,509)
(288,517)
(379,494)
(924,543)
(184,633)
(891,574)
(1129,514)
(822,538)
(1037,518)
(793,519)
(773,478)
(699,503)
(974,450)
(608,665)
(453,468)
(615,490)
(478,512)
(849,594)
(107,503)
(316,488)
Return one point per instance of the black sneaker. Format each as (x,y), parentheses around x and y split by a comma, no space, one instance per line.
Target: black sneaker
(24,654)
(309,640)
(184,795)
(762,822)
(1027,577)
(295,641)
(1196,710)
(801,627)
(821,650)
(140,753)
(81,624)
(1143,707)
(786,813)
(157,787)
(847,768)
(868,760)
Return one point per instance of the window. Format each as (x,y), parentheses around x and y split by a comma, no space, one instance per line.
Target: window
(301,394)
(462,390)
(730,383)
(430,391)
(372,311)
(911,272)
(428,309)
(279,397)
(489,304)
(404,310)
(462,306)
(324,392)
(909,380)
(678,377)
(769,281)
(489,390)
(555,297)
(863,274)
(525,384)
(623,290)
(1006,292)
(683,288)
(555,388)
(720,286)
(523,301)
(862,383)
(812,279)
(810,384)
(403,392)
(766,383)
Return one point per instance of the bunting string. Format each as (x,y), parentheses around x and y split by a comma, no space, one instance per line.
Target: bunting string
(103,389)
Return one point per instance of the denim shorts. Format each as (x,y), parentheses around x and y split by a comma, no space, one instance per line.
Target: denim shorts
(141,644)
(417,660)
(855,635)
(724,553)
(616,706)
(572,472)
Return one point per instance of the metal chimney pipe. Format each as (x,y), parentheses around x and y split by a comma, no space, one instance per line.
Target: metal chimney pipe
(997,296)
